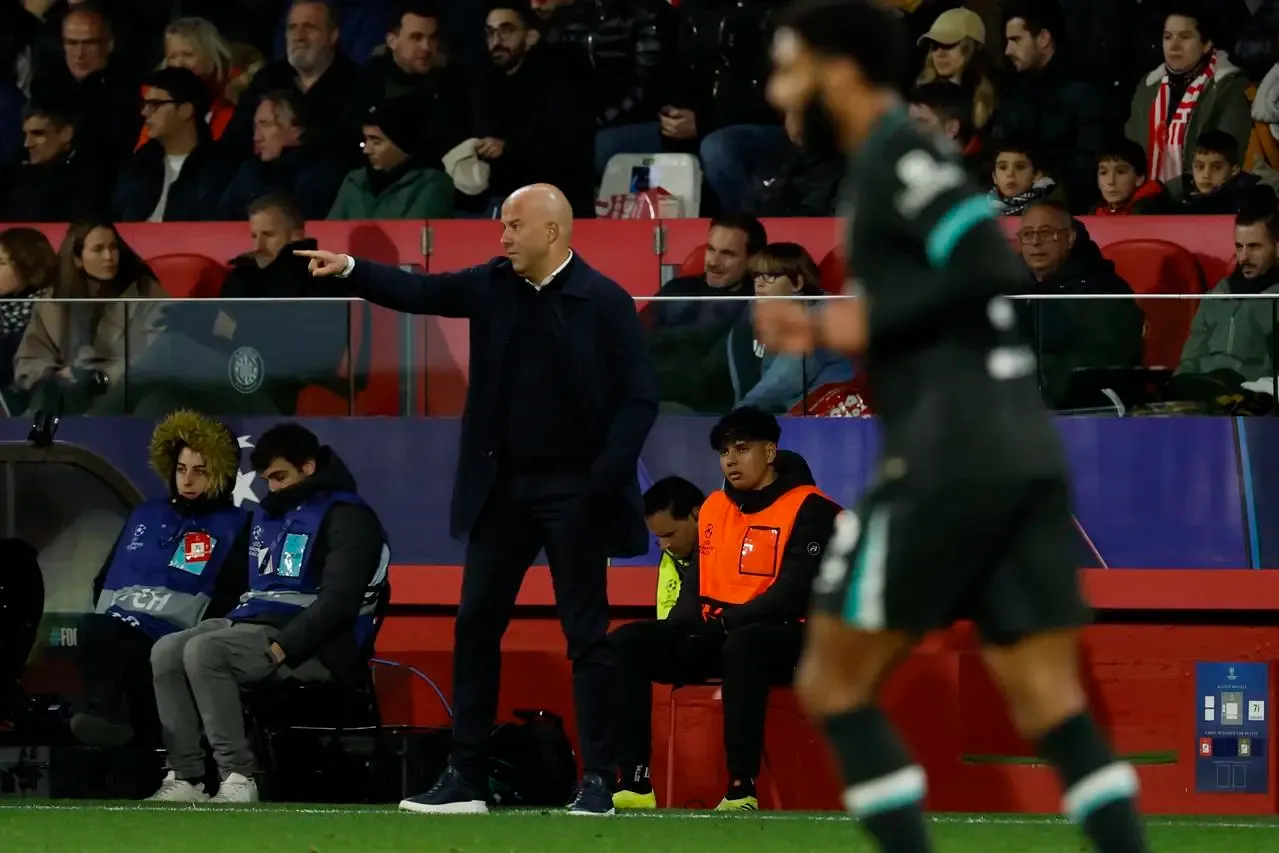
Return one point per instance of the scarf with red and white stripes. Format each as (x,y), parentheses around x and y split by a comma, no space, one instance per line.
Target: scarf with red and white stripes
(1168,138)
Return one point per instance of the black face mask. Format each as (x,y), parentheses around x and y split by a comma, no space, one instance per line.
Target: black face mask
(819,135)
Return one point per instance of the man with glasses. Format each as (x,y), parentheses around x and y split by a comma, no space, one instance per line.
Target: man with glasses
(535,122)
(1069,334)
(177,176)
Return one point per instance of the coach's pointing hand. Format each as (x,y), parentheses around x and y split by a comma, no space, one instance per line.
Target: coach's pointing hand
(323,263)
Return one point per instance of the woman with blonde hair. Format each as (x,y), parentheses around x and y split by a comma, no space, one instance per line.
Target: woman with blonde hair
(196,44)
(79,350)
(957,53)
(775,381)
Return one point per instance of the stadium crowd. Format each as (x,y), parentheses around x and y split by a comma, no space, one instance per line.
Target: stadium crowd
(118,111)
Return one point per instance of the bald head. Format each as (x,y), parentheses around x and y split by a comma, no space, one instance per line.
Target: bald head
(537,230)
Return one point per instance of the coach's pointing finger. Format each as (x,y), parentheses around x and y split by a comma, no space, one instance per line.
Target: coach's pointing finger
(323,263)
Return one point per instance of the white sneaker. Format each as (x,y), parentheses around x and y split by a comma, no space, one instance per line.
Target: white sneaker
(236,789)
(175,790)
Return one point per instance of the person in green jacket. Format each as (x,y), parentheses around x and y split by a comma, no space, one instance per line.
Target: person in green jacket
(396,183)
(670,511)
(1196,89)
(1235,338)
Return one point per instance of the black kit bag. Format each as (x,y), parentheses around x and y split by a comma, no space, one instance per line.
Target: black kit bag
(531,762)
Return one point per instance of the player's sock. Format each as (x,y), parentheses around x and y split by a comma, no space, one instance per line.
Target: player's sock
(740,787)
(1101,792)
(885,787)
(636,779)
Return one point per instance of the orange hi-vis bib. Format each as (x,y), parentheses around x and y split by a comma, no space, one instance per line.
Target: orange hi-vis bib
(740,554)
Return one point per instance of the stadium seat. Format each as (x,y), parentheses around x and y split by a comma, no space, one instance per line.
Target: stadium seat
(186,276)
(833,271)
(678,174)
(694,264)
(707,691)
(1158,266)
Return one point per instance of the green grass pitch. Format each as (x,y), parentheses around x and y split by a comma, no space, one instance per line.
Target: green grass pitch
(62,827)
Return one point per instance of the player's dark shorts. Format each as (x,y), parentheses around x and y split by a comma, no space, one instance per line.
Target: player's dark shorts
(1003,553)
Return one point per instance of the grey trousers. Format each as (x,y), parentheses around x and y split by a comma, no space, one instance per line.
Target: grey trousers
(198,674)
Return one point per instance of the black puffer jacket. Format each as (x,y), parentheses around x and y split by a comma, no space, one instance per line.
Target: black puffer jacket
(624,48)
(1067,120)
(799,185)
(723,62)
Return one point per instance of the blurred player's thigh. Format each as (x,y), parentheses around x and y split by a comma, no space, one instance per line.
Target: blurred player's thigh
(1033,588)
(910,556)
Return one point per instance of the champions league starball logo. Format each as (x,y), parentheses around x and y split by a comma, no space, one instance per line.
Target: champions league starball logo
(244,479)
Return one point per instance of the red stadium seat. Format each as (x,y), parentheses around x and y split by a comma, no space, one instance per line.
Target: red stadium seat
(695,264)
(189,276)
(1158,266)
(833,271)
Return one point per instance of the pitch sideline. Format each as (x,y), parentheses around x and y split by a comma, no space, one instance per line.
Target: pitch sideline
(661,814)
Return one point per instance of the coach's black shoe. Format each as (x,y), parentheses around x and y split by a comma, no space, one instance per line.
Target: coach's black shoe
(451,794)
(592,797)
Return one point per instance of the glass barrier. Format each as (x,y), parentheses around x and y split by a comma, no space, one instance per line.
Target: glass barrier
(223,356)
(1104,355)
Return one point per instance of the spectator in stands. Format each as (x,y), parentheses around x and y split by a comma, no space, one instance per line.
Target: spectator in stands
(195,44)
(1123,183)
(689,338)
(179,559)
(739,615)
(240,357)
(299,343)
(1066,121)
(775,381)
(135,29)
(670,511)
(626,51)
(535,119)
(324,77)
(56,183)
(716,105)
(92,83)
(1069,334)
(361,23)
(802,183)
(242,22)
(28,269)
(398,182)
(730,243)
(321,556)
(1262,155)
(283,161)
(178,176)
(1196,90)
(1215,184)
(948,109)
(956,45)
(76,351)
(1019,182)
(415,66)
(1231,341)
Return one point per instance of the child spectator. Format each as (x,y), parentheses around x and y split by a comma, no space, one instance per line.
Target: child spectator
(1216,185)
(1124,185)
(1018,184)
(775,381)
